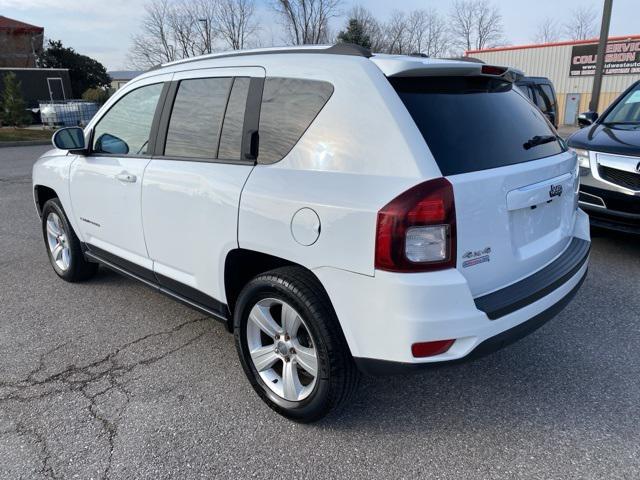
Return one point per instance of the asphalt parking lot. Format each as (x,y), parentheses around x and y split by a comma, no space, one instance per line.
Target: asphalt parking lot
(108,379)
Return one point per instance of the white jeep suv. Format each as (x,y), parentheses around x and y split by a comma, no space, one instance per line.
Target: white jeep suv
(341,212)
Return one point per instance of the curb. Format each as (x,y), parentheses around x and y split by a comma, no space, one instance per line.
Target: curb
(27,143)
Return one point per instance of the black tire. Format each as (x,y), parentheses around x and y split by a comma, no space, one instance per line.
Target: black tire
(337,377)
(79,268)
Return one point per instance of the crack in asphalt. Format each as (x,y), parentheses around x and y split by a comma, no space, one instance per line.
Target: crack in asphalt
(79,379)
(15,180)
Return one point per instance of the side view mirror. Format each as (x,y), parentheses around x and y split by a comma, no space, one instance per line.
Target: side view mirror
(587,118)
(71,138)
(107,143)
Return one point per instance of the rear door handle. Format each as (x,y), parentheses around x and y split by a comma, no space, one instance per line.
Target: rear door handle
(126,177)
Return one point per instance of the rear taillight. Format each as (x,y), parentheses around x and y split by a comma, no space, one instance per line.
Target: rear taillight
(416,231)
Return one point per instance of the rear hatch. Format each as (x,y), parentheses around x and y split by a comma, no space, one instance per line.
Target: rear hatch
(514,181)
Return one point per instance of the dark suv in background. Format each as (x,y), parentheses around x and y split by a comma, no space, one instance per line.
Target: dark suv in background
(609,157)
(541,92)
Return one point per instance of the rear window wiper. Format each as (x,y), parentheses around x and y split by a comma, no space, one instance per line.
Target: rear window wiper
(539,140)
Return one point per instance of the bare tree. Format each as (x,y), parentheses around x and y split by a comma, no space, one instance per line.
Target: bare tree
(547,31)
(427,33)
(475,24)
(203,15)
(177,29)
(307,21)
(582,23)
(397,33)
(370,26)
(154,45)
(235,20)
(488,24)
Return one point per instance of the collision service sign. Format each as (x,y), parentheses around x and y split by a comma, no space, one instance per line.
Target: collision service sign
(621,58)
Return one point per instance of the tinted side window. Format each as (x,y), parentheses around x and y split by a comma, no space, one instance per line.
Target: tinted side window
(475,123)
(196,118)
(126,127)
(231,139)
(548,93)
(541,100)
(289,106)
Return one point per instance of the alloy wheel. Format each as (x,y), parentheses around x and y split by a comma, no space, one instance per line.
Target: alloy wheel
(58,242)
(281,349)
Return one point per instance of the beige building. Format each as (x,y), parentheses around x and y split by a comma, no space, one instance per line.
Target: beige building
(571,66)
(119,78)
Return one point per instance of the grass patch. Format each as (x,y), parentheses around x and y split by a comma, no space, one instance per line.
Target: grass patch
(10,134)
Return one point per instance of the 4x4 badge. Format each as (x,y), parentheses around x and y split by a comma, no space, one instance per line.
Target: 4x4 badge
(555,191)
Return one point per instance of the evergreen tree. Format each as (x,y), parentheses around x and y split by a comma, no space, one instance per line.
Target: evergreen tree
(355,33)
(13,110)
(85,72)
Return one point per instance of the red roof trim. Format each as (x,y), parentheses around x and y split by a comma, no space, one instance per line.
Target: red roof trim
(7,23)
(552,44)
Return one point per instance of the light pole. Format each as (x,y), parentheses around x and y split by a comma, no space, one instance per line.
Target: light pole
(602,45)
(206,29)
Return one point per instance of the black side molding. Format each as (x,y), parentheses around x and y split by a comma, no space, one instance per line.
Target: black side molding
(176,290)
(533,288)
(372,366)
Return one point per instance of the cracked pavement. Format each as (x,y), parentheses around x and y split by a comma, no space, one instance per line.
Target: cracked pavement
(108,379)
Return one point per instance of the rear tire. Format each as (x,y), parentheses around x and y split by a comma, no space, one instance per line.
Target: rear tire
(63,246)
(285,325)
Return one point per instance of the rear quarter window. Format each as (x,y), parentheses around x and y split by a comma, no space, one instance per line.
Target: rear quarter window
(475,123)
(289,106)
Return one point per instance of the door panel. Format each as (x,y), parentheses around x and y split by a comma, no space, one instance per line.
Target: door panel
(190,213)
(190,204)
(106,184)
(571,108)
(107,208)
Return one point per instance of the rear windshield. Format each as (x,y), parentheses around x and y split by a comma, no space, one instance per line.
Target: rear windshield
(476,123)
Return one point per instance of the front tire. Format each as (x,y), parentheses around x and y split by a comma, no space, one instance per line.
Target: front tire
(63,246)
(291,346)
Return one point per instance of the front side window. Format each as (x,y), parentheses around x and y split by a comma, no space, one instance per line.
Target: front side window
(196,118)
(289,106)
(126,127)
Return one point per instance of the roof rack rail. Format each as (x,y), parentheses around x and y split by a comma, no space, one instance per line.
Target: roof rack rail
(337,49)
(349,49)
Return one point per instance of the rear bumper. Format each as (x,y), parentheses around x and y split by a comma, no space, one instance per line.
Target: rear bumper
(376,367)
(383,316)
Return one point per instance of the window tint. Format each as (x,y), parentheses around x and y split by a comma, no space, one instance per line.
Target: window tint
(548,93)
(196,118)
(289,105)
(541,100)
(126,127)
(627,110)
(231,139)
(475,123)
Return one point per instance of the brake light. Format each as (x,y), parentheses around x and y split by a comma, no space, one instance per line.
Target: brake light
(416,231)
(493,70)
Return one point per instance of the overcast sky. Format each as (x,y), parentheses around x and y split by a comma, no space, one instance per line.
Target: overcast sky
(103,28)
